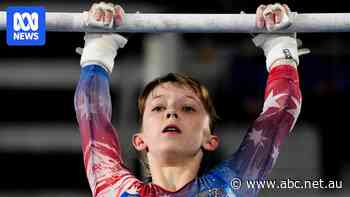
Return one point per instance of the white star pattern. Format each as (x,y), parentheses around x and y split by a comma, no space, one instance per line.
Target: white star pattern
(275,154)
(271,101)
(257,138)
(295,112)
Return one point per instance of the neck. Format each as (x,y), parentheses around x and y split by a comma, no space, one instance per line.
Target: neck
(172,174)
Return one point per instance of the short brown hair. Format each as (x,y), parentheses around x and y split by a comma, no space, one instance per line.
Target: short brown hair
(183,80)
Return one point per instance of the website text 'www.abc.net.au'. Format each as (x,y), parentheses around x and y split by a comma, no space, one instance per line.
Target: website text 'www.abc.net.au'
(289,183)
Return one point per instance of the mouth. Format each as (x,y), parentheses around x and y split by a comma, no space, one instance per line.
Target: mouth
(171,129)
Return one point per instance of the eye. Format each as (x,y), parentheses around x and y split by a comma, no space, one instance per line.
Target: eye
(158,108)
(188,109)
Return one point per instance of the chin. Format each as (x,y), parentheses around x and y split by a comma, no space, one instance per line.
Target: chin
(177,151)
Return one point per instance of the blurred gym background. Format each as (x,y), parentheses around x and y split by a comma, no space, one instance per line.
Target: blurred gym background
(40,151)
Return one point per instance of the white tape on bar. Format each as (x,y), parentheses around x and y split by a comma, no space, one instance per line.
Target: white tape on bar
(195,23)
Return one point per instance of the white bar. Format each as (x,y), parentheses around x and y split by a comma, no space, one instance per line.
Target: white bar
(195,23)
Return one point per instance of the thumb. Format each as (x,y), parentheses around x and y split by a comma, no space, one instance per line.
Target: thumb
(79,50)
(303,51)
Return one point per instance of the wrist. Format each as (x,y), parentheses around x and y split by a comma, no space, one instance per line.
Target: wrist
(281,62)
(95,63)
(101,49)
(282,48)
(95,68)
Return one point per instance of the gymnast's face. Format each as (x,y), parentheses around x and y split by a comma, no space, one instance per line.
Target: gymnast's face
(175,123)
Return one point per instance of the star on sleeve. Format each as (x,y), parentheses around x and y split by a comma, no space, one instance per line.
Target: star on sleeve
(271,101)
(257,138)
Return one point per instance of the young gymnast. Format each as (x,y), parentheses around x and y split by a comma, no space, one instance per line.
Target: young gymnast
(177,119)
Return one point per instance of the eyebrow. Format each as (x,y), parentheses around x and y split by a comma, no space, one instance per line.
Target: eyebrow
(187,96)
(191,97)
(157,96)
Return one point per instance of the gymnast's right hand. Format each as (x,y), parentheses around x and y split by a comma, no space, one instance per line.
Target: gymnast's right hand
(101,48)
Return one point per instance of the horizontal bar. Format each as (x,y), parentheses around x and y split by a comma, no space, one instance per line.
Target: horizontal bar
(194,23)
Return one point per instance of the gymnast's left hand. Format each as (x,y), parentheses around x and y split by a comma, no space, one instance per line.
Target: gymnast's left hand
(277,47)
(273,16)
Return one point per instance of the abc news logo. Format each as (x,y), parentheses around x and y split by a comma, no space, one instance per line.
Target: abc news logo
(26,26)
(29,29)
(33,21)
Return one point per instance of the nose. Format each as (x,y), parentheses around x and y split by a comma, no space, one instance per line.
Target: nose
(171,114)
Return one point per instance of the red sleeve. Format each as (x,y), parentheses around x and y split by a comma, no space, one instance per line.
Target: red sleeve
(261,145)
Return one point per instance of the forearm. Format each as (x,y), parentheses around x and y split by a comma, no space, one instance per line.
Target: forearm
(260,147)
(282,97)
(92,93)
(100,144)
(93,103)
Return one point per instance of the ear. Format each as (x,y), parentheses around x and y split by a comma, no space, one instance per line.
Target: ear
(138,142)
(211,143)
